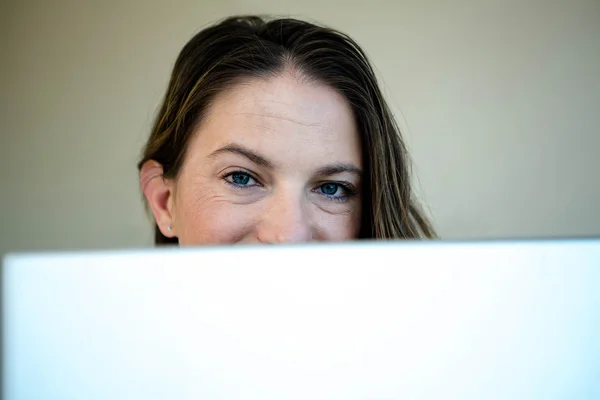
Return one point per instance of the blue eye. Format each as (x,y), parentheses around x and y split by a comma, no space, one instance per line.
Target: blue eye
(336,191)
(329,189)
(240,179)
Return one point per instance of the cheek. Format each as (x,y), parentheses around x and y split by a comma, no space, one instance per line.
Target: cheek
(209,218)
(340,227)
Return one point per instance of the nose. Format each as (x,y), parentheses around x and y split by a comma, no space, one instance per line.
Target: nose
(286,220)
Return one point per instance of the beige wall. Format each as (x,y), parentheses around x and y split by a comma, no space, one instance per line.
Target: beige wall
(500,103)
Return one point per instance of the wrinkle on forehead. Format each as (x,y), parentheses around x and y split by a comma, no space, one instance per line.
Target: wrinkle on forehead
(284,96)
(267,114)
(299,123)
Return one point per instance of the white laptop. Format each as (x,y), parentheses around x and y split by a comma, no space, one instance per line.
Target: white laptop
(368,321)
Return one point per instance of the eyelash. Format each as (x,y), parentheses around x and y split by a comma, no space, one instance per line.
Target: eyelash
(348,188)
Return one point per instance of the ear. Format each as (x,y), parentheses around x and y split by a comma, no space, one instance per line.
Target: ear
(159,193)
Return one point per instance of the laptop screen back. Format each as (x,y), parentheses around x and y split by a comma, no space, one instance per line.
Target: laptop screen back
(502,320)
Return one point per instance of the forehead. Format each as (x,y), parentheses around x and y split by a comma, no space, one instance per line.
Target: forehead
(289,121)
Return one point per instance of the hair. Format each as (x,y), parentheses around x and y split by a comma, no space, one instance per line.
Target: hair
(244,47)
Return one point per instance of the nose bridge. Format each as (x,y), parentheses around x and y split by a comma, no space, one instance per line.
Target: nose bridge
(286,219)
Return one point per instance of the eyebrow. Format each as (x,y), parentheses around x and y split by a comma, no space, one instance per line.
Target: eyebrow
(339,168)
(256,158)
(245,152)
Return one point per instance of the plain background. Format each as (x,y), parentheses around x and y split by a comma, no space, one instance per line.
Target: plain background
(499,102)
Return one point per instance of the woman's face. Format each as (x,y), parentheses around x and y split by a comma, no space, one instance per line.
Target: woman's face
(273,161)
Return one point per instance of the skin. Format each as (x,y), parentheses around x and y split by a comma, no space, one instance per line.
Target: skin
(276,160)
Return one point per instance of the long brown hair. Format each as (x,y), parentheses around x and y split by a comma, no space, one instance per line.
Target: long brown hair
(250,46)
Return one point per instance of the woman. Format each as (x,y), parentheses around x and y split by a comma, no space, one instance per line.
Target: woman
(276,132)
